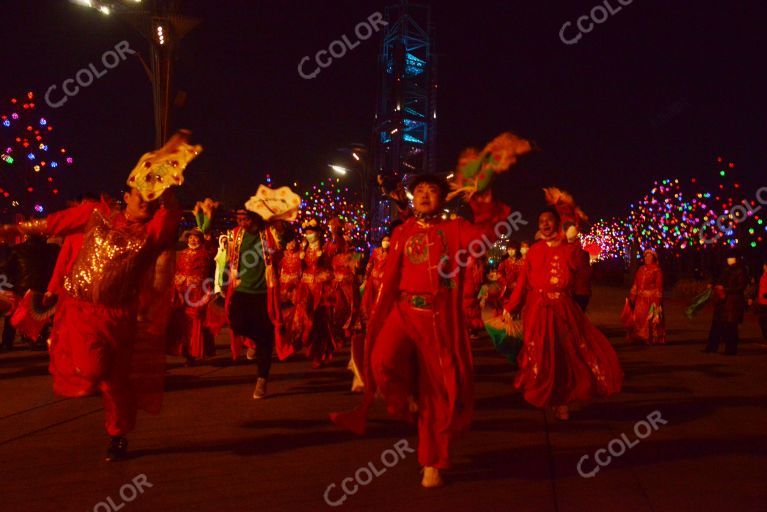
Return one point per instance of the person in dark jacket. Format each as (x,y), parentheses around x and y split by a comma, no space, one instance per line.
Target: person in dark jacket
(29,267)
(729,306)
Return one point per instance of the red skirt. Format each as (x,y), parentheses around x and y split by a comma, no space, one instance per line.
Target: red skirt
(564,357)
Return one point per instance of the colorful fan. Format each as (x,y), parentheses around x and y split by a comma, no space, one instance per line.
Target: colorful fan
(476,170)
(161,169)
(275,204)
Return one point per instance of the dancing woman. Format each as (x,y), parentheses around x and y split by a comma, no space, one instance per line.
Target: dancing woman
(312,303)
(646,323)
(188,335)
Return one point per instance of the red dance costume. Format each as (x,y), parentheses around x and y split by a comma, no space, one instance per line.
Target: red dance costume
(188,335)
(564,357)
(290,279)
(646,323)
(373,280)
(344,295)
(417,347)
(508,273)
(108,329)
(312,306)
(474,276)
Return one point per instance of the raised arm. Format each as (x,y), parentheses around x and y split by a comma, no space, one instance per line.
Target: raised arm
(65,222)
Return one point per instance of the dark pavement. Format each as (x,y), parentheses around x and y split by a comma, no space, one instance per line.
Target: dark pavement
(214,448)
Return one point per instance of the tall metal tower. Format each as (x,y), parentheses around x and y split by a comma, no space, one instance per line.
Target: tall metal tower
(404,132)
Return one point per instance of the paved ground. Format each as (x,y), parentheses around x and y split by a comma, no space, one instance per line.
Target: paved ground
(215,449)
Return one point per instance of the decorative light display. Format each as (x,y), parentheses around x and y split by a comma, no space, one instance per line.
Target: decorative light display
(676,216)
(608,239)
(31,162)
(330,198)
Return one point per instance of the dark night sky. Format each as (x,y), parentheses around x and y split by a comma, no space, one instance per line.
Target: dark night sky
(502,66)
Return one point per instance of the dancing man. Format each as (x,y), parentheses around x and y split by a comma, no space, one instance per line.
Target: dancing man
(95,328)
(418,318)
(246,295)
(564,357)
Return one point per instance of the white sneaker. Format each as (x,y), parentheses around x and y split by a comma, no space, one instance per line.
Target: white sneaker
(260,391)
(431,477)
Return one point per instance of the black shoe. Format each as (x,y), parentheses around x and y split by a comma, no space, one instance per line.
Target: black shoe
(118,449)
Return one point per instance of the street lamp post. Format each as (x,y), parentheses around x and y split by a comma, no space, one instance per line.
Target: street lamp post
(161,24)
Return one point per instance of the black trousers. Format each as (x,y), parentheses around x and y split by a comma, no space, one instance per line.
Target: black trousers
(763,320)
(249,317)
(726,332)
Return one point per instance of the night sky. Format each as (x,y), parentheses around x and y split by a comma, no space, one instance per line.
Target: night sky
(658,90)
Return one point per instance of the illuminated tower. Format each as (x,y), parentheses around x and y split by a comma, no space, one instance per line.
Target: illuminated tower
(406,114)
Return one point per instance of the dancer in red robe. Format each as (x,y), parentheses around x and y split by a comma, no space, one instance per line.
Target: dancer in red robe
(564,357)
(647,324)
(188,335)
(342,290)
(290,279)
(374,276)
(313,307)
(509,269)
(418,319)
(95,346)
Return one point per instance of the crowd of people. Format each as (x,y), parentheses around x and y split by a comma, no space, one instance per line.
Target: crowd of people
(407,311)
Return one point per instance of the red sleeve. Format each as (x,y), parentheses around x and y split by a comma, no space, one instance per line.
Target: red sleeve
(491,219)
(162,230)
(73,219)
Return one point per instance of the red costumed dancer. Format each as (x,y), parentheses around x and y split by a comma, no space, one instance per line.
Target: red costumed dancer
(564,357)
(343,291)
(94,341)
(290,279)
(418,318)
(374,276)
(646,322)
(474,276)
(509,269)
(188,335)
(312,298)
(111,318)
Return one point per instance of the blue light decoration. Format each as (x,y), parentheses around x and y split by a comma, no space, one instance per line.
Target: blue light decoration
(26,131)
